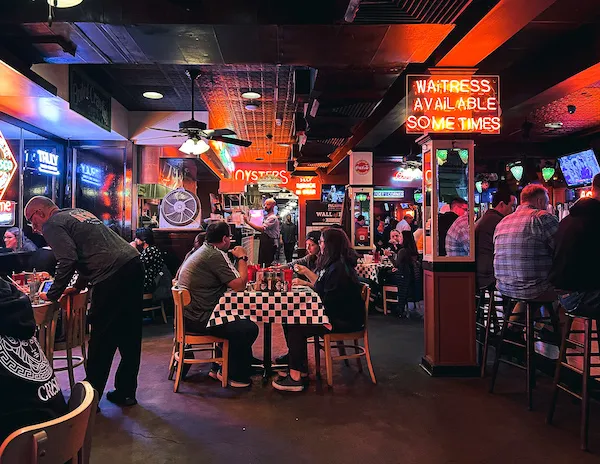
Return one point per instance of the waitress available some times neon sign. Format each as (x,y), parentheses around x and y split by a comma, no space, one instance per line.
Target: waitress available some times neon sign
(443,104)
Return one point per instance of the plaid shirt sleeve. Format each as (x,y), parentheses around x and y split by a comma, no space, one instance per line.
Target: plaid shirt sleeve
(549,227)
(457,239)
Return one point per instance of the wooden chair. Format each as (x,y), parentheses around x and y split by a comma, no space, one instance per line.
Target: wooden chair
(340,338)
(161,306)
(386,299)
(74,307)
(60,440)
(182,297)
(46,317)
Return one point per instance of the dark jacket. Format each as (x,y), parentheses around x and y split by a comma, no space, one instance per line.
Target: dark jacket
(29,391)
(577,248)
(484,247)
(339,290)
(289,232)
(445,221)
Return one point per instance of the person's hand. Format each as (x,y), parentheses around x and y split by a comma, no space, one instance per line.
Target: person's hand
(300,269)
(387,252)
(246,220)
(70,290)
(43,296)
(297,281)
(239,252)
(133,244)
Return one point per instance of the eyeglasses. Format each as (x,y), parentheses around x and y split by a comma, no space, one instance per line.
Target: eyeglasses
(28,220)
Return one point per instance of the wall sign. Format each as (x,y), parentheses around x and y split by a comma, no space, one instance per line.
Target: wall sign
(305,187)
(89,100)
(361,168)
(8,165)
(91,175)
(444,104)
(388,194)
(320,215)
(42,161)
(407,174)
(7,213)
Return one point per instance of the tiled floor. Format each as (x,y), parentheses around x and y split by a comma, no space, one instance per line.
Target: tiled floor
(407,418)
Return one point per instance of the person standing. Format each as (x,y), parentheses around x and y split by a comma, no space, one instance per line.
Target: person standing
(269,233)
(577,244)
(114,271)
(503,204)
(405,223)
(289,236)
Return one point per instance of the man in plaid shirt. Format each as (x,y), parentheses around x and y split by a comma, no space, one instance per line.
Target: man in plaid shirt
(523,247)
(457,239)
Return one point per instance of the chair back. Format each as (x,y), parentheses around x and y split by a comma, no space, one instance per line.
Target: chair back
(46,317)
(59,440)
(74,306)
(365,293)
(182,298)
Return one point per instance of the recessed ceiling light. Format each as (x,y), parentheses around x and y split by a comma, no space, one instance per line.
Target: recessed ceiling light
(251,95)
(554,125)
(153,95)
(251,106)
(283,144)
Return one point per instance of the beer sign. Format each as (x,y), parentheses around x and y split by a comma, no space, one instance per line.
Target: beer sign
(8,165)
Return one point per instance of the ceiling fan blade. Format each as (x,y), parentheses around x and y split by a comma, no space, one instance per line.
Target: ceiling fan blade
(218,132)
(232,141)
(161,137)
(163,130)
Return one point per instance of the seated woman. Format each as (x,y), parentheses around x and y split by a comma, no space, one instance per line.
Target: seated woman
(337,284)
(310,259)
(406,273)
(393,246)
(29,390)
(11,240)
(151,257)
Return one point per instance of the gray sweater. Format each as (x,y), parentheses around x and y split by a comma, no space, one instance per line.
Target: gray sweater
(81,242)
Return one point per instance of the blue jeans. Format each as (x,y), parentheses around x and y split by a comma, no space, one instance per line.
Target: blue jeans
(582,303)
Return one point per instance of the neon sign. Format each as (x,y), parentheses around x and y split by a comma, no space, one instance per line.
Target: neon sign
(305,187)
(8,165)
(91,175)
(47,162)
(443,104)
(407,174)
(221,149)
(251,175)
(388,194)
(7,213)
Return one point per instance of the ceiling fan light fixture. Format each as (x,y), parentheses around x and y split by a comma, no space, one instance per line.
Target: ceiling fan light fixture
(251,106)
(251,95)
(153,95)
(64,3)
(194,147)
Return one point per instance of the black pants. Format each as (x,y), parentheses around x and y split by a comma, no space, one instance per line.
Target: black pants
(241,335)
(266,251)
(116,320)
(295,336)
(288,250)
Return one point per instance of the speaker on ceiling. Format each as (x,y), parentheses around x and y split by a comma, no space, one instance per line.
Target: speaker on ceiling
(299,123)
(304,80)
(290,166)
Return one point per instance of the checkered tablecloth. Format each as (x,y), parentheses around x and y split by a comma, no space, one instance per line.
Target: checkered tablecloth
(370,271)
(293,307)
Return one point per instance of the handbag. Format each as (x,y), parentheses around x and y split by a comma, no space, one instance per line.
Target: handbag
(162,285)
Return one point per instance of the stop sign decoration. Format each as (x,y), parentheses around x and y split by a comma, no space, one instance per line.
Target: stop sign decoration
(362,167)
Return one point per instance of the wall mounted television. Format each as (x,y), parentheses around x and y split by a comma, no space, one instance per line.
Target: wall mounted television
(579,168)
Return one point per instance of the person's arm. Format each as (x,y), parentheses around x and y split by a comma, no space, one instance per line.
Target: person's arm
(239,283)
(306,272)
(254,226)
(549,227)
(65,251)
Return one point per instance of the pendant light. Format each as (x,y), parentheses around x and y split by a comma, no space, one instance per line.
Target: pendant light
(64,3)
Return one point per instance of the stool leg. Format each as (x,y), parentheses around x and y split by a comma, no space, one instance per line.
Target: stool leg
(585,398)
(317,357)
(562,356)
(530,356)
(509,310)
(486,340)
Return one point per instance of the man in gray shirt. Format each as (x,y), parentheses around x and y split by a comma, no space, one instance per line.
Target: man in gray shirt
(113,270)
(207,274)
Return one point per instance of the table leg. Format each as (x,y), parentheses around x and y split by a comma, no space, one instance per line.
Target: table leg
(267,352)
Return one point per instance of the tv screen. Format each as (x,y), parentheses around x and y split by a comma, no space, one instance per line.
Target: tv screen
(579,168)
(333,193)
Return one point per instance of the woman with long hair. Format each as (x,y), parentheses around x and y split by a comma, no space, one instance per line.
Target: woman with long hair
(11,240)
(337,284)
(406,274)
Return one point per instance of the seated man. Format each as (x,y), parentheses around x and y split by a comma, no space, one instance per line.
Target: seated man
(29,390)
(207,274)
(577,250)
(457,237)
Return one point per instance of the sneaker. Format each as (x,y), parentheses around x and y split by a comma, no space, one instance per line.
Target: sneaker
(214,374)
(283,359)
(288,384)
(234,383)
(119,399)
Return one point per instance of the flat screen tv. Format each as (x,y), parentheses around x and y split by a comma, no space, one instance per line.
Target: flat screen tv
(579,168)
(333,193)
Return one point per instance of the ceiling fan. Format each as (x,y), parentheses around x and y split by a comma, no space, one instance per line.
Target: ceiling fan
(196,132)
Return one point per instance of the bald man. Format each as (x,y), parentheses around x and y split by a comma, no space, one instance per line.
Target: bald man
(112,268)
(269,233)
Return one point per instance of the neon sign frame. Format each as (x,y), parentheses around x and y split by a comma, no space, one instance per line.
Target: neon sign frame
(8,166)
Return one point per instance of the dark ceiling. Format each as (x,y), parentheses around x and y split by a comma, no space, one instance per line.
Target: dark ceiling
(549,60)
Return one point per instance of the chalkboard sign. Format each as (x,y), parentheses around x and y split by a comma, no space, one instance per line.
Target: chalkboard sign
(88,99)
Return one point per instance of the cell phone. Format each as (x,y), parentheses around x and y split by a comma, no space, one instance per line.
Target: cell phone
(46,284)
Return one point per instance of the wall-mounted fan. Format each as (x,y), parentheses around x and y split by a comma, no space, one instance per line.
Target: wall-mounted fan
(196,132)
(181,209)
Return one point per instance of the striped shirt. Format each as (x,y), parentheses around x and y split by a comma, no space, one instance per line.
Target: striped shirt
(523,249)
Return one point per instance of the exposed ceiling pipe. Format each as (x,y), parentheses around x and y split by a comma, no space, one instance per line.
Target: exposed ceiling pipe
(351,11)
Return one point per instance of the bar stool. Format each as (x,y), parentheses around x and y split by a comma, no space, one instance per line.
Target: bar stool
(580,350)
(531,307)
(486,318)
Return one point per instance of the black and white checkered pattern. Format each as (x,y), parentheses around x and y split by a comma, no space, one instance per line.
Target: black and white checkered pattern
(370,271)
(295,307)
